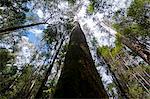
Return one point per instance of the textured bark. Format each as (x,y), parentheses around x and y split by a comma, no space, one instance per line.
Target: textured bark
(137,48)
(6,30)
(79,77)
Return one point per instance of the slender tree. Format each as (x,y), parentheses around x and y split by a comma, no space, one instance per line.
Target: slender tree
(133,28)
(120,86)
(48,72)
(79,77)
(136,47)
(127,77)
(7,30)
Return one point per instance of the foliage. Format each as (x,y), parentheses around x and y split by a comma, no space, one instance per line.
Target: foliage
(137,21)
(7,71)
(72,1)
(54,32)
(5,57)
(13,12)
(114,57)
(111,87)
(105,50)
(136,90)
(50,34)
(90,8)
(19,83)
(17,89)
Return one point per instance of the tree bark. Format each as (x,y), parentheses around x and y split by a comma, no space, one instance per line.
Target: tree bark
(79,77)
(7,30)
(48,72)
(137,48)
(133,45)
(120,85)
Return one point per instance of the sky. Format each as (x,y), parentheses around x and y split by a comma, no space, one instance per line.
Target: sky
(34,35)
(102,37)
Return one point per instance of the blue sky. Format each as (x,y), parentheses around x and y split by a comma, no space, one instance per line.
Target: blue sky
(35,34)
(33,39)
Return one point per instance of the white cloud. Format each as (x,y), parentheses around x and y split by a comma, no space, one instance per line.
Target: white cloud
(36,31)
(24,39)
(63,5)
(40,13)
(26,50)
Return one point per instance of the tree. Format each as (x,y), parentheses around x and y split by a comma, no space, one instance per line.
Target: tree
(120,85)
(13,12)
(131,79)
(7,71)
(7,30)
(48,71)
(79,77)
(133,28)
(54,34)
(136,47)
(109,56)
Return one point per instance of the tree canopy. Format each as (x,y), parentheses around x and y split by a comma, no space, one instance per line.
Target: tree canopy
(75,49)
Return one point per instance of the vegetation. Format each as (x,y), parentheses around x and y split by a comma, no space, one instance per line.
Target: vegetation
(48,49)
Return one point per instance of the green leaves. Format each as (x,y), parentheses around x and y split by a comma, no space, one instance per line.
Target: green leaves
(136,91)
(137,9)
(72,1)
(50,34)
(137,21)
(110,52)
(5,58)
(104,51)
(1,11)
(90,8)
(13,12)
(7,70)
(10,70)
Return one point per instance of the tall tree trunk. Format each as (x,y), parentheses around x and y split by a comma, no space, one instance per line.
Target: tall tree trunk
(133,45)
(79,77)
(6,30)
(120,84)
(137,48)
(48,72)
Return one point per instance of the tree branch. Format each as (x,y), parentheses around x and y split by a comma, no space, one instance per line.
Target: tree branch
(7,30)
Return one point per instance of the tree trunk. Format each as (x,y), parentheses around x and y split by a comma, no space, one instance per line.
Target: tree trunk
(79,77)
(120,84)
(48,72)
(137,48)
(6,30)
(133,45)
